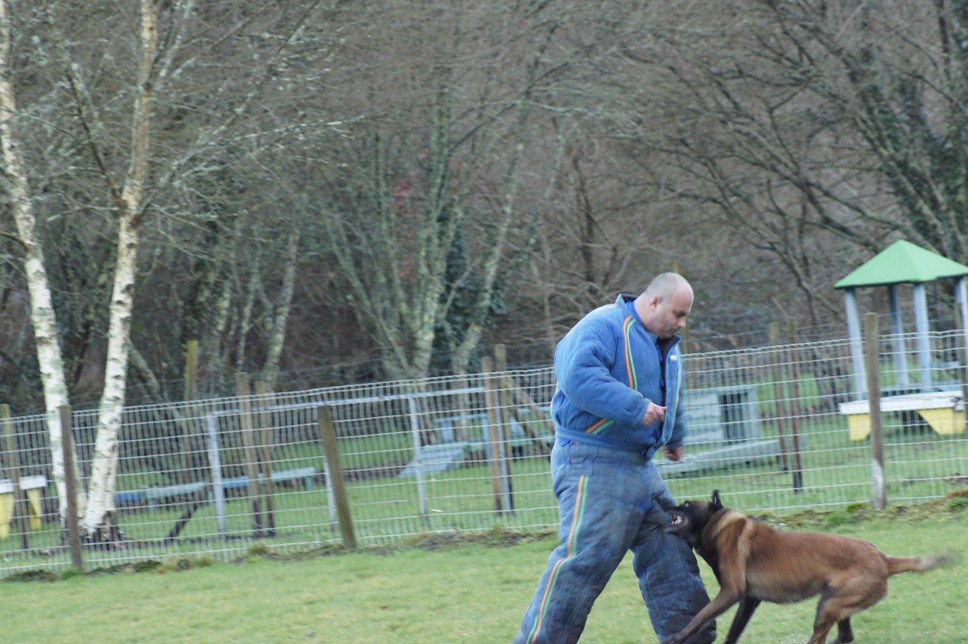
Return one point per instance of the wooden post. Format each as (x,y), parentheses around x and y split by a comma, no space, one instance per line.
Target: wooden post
(20,504)
(874,399)
(504,424)
(265,451)
(778,396)
(73,529)
(191,370)
(327,432)
(797,458)
(501,501)
(191,391)
(248,442)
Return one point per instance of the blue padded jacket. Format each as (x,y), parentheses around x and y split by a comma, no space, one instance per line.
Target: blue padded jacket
(608,369)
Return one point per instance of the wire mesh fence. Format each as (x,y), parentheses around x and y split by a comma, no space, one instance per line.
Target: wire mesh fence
(772,428)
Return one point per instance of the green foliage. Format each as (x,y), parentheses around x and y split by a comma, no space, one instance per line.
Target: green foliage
(33,575)
(259,550)
(852,514)
(70,573)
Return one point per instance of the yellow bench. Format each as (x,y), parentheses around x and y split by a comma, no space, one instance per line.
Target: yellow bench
(31,486)
(944,411)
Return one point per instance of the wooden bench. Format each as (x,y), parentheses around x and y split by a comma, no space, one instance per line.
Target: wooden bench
(478,424)
(942,410)
(154,496)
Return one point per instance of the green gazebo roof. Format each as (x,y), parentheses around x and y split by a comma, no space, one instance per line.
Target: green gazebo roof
(902,263)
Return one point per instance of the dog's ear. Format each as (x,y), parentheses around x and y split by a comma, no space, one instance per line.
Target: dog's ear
(716,504)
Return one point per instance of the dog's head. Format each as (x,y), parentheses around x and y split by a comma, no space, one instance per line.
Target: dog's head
(690,518)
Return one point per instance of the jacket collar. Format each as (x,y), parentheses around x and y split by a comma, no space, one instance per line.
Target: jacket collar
(625,301)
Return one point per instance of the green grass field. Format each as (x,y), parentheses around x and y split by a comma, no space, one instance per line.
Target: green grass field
(451,590)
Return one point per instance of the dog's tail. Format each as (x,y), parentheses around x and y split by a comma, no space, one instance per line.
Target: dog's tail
(896,565)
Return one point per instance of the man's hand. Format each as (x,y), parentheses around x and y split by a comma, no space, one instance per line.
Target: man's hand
(674,453)
(653,414)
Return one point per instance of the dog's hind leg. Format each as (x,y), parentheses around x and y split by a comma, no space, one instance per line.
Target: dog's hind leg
(743,613)
(820,629)
(838,604)
(826,617)
(844,633)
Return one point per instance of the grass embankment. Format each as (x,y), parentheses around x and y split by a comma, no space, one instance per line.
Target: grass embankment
(452,589)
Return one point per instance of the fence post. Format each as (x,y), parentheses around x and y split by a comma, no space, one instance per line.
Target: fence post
(874,400)
(20,504)
(418,465)
(264,442)
(797,465)
(73,529)
(215,464)
(779,407)
(501,496)
(248,444)
(504,415)
(191,389)
(328,433)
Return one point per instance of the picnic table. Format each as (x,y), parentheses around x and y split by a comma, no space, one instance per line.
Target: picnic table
(156,496)
(944,411)
(32,487)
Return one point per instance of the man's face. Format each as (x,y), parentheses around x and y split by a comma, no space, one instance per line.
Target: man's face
(671,313)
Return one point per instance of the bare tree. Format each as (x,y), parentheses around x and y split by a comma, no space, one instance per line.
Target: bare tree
(819,129)
(16,184)
(435,154)
(135,177)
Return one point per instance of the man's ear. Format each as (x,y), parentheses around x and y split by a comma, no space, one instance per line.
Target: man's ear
(716,504)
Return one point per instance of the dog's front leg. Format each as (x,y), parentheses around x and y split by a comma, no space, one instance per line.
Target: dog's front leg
(742,618)
(727,597)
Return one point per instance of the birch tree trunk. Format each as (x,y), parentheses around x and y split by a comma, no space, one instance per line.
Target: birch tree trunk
(277,333)
(42,315)
(104,468)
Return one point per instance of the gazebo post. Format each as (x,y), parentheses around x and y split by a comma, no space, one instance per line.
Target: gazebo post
(897,330)
(924,343)
(856,344)
(961,295)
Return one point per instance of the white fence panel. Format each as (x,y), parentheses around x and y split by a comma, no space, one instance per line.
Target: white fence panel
(767,429)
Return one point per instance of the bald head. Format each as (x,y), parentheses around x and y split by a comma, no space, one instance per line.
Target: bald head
(665,304)
(666,284)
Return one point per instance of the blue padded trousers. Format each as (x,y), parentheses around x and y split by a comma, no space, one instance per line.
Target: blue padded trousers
(610,502)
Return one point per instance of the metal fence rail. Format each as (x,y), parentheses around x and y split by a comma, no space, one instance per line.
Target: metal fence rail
(768,428)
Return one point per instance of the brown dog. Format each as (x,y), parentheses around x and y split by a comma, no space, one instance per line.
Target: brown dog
(755,563)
